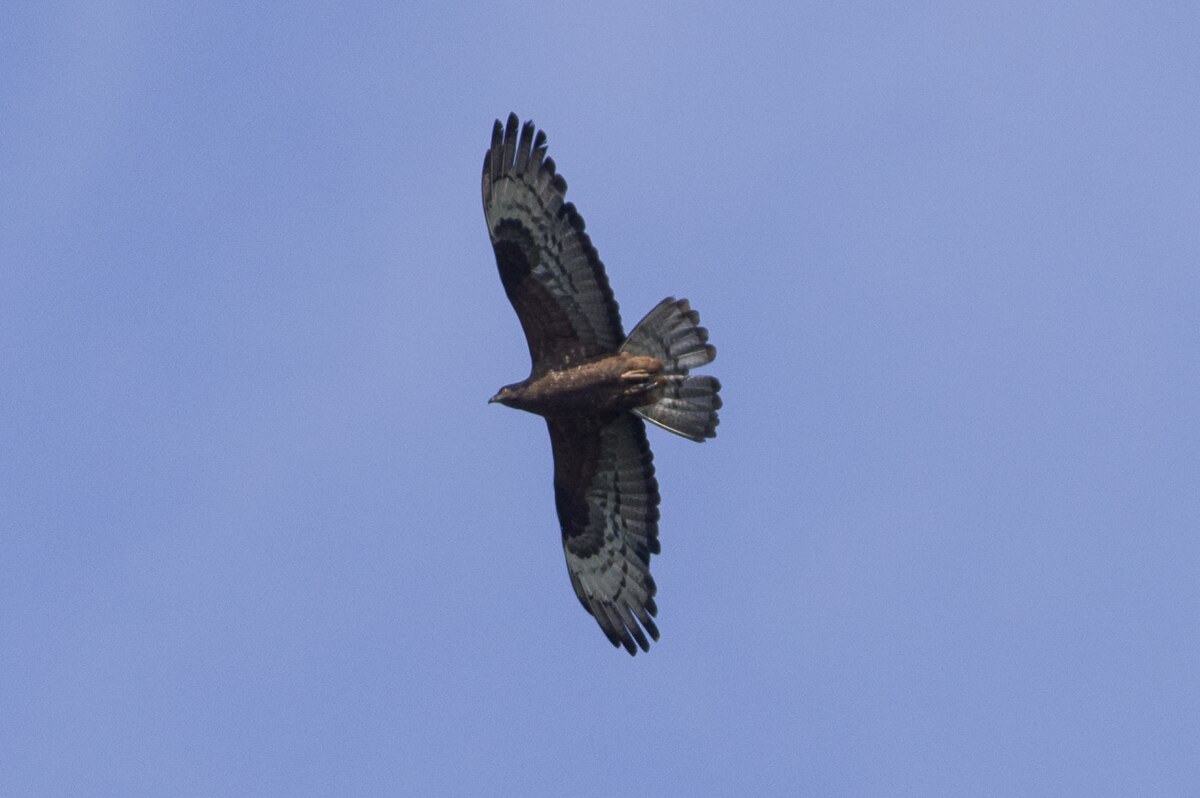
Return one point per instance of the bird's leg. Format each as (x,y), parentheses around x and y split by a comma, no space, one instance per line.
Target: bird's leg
(639,377)
(639,368)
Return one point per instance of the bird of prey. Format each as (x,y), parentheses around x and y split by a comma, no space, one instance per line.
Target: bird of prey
(593,384)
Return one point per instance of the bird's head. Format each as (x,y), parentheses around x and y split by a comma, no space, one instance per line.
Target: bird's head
(504,396)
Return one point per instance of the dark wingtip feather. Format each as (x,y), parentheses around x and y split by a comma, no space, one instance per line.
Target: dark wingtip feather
(573,217)
(638,635)
(510,142)
(651,628)
(487,181)
(539,148)
(524,147)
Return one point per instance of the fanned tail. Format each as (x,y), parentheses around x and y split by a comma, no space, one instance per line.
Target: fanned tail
(687,404)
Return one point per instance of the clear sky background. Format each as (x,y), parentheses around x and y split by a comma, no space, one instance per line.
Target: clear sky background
(260,532)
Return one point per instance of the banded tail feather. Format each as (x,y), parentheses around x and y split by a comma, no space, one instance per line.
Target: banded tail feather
(687,404)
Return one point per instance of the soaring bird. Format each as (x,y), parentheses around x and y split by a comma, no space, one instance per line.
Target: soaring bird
(593,384)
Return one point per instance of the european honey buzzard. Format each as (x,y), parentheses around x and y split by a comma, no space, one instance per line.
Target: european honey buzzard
(593,384)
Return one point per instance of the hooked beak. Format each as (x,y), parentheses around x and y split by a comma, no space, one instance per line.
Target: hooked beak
(494,399)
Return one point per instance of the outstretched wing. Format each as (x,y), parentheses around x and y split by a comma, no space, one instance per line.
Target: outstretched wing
(607,501)
(549,268)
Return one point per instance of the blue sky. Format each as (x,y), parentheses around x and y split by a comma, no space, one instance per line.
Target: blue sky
(260,532)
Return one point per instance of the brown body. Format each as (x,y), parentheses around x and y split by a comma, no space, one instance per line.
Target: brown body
(600,387)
